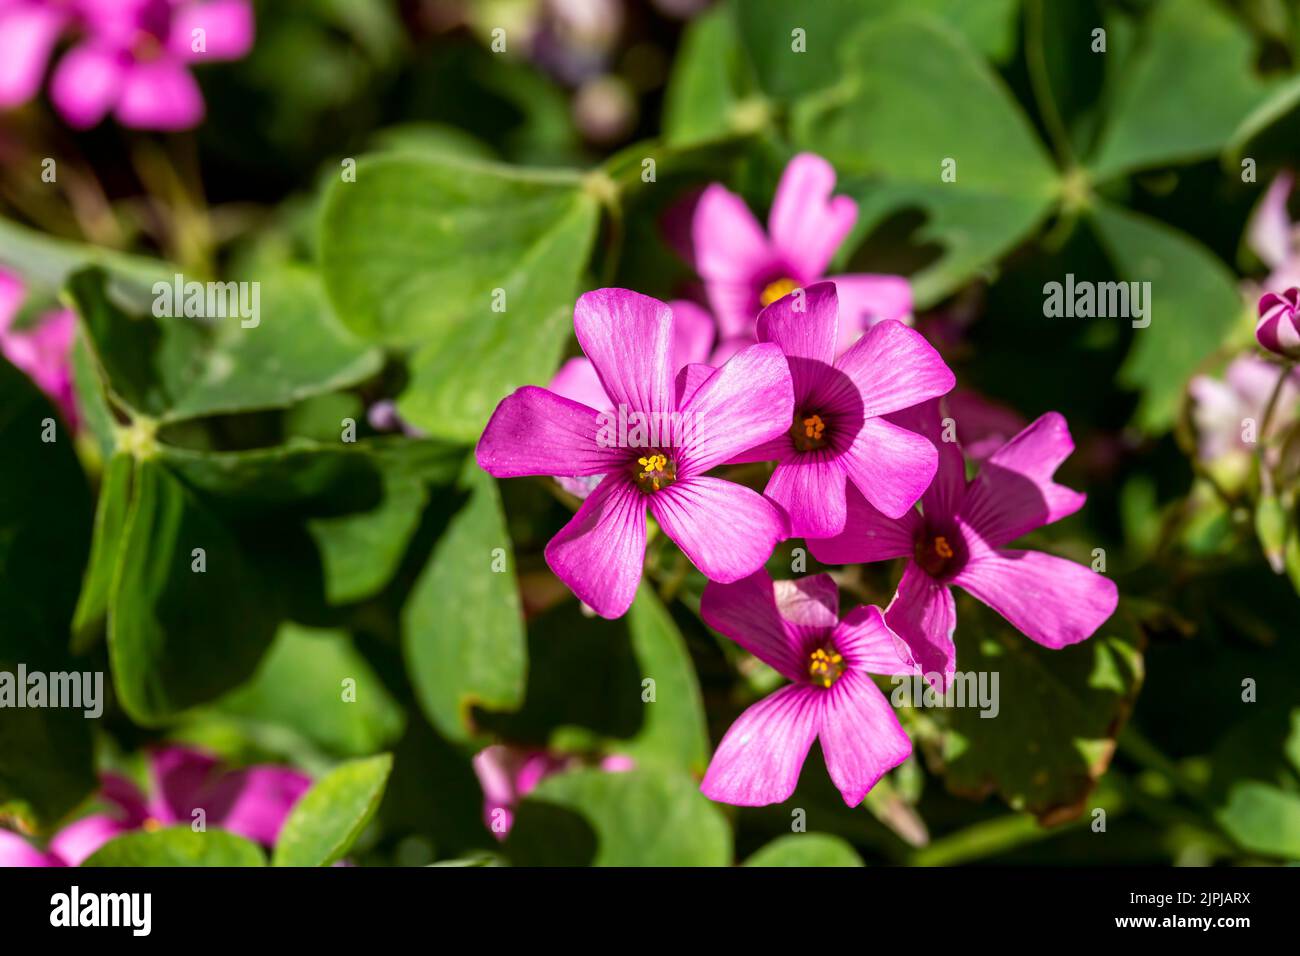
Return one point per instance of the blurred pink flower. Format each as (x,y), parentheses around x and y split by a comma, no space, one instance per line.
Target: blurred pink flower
(134,60)
(382,416)
(745,268)
(29,29)
(252,802)
(1274,237)
(1222,408)
(508,773)
(43,351)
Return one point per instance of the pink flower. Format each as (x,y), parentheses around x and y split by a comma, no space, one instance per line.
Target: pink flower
(1278,329)
(44,351)
(958,539)
(745,269)
(508,773)
(135,58)
(693,332)
(794,627)
(1274,237)
(1222,407)
(253,802)
(28,31)
(838,435)
(678,433)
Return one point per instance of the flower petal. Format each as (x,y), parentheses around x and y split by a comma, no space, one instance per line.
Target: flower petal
(628,337)
(867,299)
(160,95)
(732,254)
(254,802)
(868,535)
(894,367)
(748,401)
(810,487)
(943,499)
(759,759)
(869,645)
(227,30)
(729,244)
(1052,601)
(600,552)
(79,839)
(578,382)
(179,775)
(806,223)
(750,612)
(87,83)
(15,851)
(727,530)
(1014,492)
(689,379)
(693,332)
(861,737)
(891,466)
(536,432)
(805,325)
(983,425)
(28,33)
(924,615)
(1269,230)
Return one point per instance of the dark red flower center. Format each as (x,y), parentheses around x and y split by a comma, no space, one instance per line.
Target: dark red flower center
(809,431)
(936,554)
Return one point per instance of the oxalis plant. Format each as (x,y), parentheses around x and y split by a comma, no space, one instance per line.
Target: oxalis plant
(678,434)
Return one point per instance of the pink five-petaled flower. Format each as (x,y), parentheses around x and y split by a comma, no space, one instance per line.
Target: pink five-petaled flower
(837,434)
(136,55)
(1278,329)
(959,537)
(745,269)
(795,628)
(253,802)
(44,351)
(706,419)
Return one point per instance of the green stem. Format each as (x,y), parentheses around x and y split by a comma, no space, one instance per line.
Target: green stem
(982,840)
(1040,83)
(1267,420)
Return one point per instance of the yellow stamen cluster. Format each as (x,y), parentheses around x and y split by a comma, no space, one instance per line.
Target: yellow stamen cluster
(813,427)
(825,666)
(777,290)
(942,548)
(655,466)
